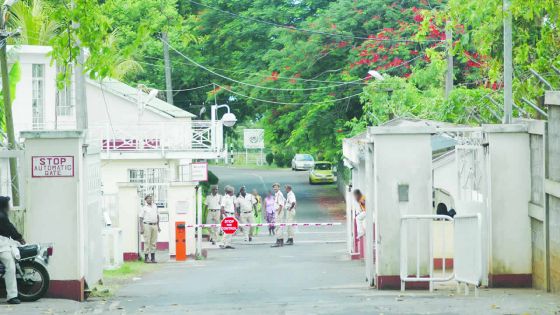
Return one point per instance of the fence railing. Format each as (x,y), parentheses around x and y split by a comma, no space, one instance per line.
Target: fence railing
(467,249)
(158,136)
(422,273)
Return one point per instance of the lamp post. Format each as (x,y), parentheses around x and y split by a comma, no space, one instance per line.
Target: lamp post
(4,35)
(227,120)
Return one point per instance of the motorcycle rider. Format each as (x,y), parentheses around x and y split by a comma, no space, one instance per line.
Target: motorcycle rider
(8,236)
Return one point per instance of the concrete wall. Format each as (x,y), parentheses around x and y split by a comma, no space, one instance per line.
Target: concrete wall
(510,262)
(552,188)
(402,156)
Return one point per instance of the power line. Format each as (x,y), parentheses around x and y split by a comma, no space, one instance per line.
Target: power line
(252,73)
(286,103)
(293,28)
(254,85)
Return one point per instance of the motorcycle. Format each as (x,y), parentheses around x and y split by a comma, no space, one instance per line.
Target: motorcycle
(31,272)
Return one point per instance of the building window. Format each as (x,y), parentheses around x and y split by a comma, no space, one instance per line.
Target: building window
(65,97)
(151,181)
(38,95)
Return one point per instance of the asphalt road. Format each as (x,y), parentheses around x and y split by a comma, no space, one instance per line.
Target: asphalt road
(312,277)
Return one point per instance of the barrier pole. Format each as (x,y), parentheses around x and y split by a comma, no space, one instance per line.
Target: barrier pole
(198,221)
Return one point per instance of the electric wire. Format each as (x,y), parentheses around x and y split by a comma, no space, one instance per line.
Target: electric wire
(293,28)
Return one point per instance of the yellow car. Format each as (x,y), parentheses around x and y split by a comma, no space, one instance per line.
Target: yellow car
(322,172)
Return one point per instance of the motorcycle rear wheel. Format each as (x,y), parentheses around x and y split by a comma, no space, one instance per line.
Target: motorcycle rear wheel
(36,284)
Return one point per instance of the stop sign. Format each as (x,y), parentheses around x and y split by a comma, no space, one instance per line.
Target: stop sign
(229,225)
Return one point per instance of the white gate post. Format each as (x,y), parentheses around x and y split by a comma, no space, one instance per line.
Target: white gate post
(56,160)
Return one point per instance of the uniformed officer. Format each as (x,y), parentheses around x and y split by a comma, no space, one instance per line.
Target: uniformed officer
(213,212)
(246,204)
(290,209)
(149,227)
(279,203)
(228,210)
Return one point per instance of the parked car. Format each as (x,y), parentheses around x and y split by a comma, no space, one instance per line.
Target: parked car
(302,162)
(323,172)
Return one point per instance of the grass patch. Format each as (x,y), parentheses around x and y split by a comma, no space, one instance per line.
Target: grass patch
(129,269)
(113,279)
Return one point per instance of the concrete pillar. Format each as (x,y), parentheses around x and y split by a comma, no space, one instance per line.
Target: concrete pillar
(552,189)
(127,220)
(182,207)
(509,187)
(55,206)
(402,184)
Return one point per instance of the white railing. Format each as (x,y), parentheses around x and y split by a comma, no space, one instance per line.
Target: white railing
(421,273)
(467,249)
(158,136)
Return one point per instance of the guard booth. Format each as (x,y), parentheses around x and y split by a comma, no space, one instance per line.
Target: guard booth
(483,176)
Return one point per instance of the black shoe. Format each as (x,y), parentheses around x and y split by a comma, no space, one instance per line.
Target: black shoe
(229,247)
(290,241)
(279,243)
(14,301)
(146,260)
(213,243)
(153,258)
(250,239)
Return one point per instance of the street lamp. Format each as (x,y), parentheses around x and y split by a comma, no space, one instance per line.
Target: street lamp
(228,119)
(376,75)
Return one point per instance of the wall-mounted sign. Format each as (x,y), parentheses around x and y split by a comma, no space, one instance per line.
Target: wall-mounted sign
(199,172)
(253,138)
(52,166)
(182,207)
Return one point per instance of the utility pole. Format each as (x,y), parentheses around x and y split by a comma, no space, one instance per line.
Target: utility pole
(4,35)
(449,73)
(80,80)
(168,83)
(508,62)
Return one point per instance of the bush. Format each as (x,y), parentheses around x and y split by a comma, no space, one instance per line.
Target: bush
(280,159)
(212,180)
(269,158)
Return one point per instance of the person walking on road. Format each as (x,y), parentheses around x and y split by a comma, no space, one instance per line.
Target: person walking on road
(213,212)
(279,202)
(258,211)
(269,208)
(10,238)
(228,210)
(247,208)
(149,227)
(290,215)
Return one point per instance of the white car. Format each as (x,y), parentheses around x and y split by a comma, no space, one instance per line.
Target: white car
(302,162)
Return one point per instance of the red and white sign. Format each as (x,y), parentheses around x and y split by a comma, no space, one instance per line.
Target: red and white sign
(199,172)
(229,225)
(52,166)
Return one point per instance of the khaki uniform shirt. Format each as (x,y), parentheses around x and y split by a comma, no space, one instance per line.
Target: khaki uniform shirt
(279,200)
(290,199)
(228,202)
(214,202)
(246,203)
(149,213)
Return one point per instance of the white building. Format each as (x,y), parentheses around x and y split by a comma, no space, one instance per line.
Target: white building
(146,145)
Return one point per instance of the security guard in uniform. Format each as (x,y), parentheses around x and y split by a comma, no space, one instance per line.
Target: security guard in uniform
(247,205)
(228,210)
(279,203)
(290,209)
(213,212)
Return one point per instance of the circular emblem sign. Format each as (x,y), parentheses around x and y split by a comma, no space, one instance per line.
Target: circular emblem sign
(229,225)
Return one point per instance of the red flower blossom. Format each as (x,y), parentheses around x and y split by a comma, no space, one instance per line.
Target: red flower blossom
(418,18)
(342,44)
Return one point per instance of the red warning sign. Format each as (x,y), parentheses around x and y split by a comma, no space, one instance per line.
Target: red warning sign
(229,225)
